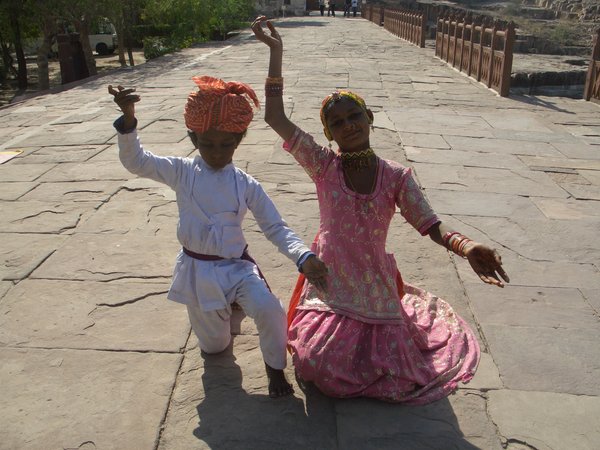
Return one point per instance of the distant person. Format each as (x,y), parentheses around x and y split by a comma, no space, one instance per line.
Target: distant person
(347,4)
(322,7)
(331,9)
(354,7)
(369,333)
(213,269)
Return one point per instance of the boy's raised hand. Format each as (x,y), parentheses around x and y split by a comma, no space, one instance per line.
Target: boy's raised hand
(126,99)
(315,272)
(274,40)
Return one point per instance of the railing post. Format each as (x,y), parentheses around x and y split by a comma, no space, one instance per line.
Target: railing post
(455,39)
(509,40)
(593,75)
(447,52)
(476,24)
(439,37)
(462,42)
(492,50)
(400,25)
(481,41)
(423,30)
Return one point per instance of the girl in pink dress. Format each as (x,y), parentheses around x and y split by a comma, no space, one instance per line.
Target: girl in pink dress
(360,330)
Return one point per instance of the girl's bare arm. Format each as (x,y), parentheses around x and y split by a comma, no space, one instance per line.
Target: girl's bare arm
(274,110)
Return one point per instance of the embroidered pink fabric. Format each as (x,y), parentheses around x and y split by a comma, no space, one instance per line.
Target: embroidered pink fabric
(360,338)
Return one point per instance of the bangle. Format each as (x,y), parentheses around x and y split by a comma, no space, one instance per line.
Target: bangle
(463,245)
(456,242)
(447,237)
(273,90)
(274,87)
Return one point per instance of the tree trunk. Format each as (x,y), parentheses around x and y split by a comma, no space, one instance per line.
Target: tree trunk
(21,62)
(128,22)
(42,65)
(130,54)
(121,44)
(82,28)
(43,52)
(7,59)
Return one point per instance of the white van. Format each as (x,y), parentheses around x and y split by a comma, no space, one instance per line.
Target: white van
(103,37)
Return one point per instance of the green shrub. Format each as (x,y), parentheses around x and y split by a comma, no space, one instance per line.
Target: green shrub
(513,8)
(155,46)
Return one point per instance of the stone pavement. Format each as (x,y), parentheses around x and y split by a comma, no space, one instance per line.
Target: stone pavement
(94,356)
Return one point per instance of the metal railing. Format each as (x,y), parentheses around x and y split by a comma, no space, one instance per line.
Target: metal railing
(483,52)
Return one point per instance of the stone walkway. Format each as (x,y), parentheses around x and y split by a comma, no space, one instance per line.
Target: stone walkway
(95,357)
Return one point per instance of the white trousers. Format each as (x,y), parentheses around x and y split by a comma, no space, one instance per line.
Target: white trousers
(213,327)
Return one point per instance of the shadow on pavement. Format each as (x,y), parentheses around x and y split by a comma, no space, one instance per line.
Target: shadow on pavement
(231,416)
(537,101)
(290,23)
(368,424)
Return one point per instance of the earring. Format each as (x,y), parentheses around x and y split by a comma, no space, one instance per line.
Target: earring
(330,145)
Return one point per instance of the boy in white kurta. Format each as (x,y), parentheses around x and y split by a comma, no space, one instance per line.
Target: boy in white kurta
(213,269)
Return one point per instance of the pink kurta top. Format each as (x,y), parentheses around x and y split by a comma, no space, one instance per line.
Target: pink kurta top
(360,338)
(353,233)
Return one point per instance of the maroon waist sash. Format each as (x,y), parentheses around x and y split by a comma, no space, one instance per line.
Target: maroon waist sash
(245,256)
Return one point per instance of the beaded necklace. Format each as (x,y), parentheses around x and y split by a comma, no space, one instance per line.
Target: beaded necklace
(357,160)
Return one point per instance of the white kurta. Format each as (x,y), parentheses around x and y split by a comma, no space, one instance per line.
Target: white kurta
(212,204)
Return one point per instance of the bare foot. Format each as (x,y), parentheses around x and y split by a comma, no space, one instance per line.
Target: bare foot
(278,384)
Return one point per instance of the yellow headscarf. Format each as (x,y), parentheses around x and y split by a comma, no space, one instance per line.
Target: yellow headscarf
(334,97)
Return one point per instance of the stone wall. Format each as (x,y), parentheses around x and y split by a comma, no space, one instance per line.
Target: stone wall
(582,9)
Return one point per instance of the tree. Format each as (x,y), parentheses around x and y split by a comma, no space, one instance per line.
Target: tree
(44,14)
(226,15)
(12,15)
(81,13)
(48,36)
(124,15)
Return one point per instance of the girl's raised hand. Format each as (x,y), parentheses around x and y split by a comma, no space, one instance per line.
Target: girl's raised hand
(487,264)
(274,40)
(126,99)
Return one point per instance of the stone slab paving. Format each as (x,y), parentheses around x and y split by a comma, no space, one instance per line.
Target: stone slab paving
(546,420)
(62,398)
(94,356)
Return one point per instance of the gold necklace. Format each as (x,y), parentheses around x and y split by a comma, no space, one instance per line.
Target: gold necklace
(354,188)
(357,160)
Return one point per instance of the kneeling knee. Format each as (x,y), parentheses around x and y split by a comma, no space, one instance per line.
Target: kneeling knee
(215,346)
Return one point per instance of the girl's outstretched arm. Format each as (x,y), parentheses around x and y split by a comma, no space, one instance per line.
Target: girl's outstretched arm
(274,111)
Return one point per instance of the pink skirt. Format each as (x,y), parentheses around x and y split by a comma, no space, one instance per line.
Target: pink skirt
(416,361)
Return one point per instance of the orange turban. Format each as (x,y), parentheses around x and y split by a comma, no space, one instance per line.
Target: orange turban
(220,106)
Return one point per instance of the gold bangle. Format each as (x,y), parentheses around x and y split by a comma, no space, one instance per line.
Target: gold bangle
(274,90)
